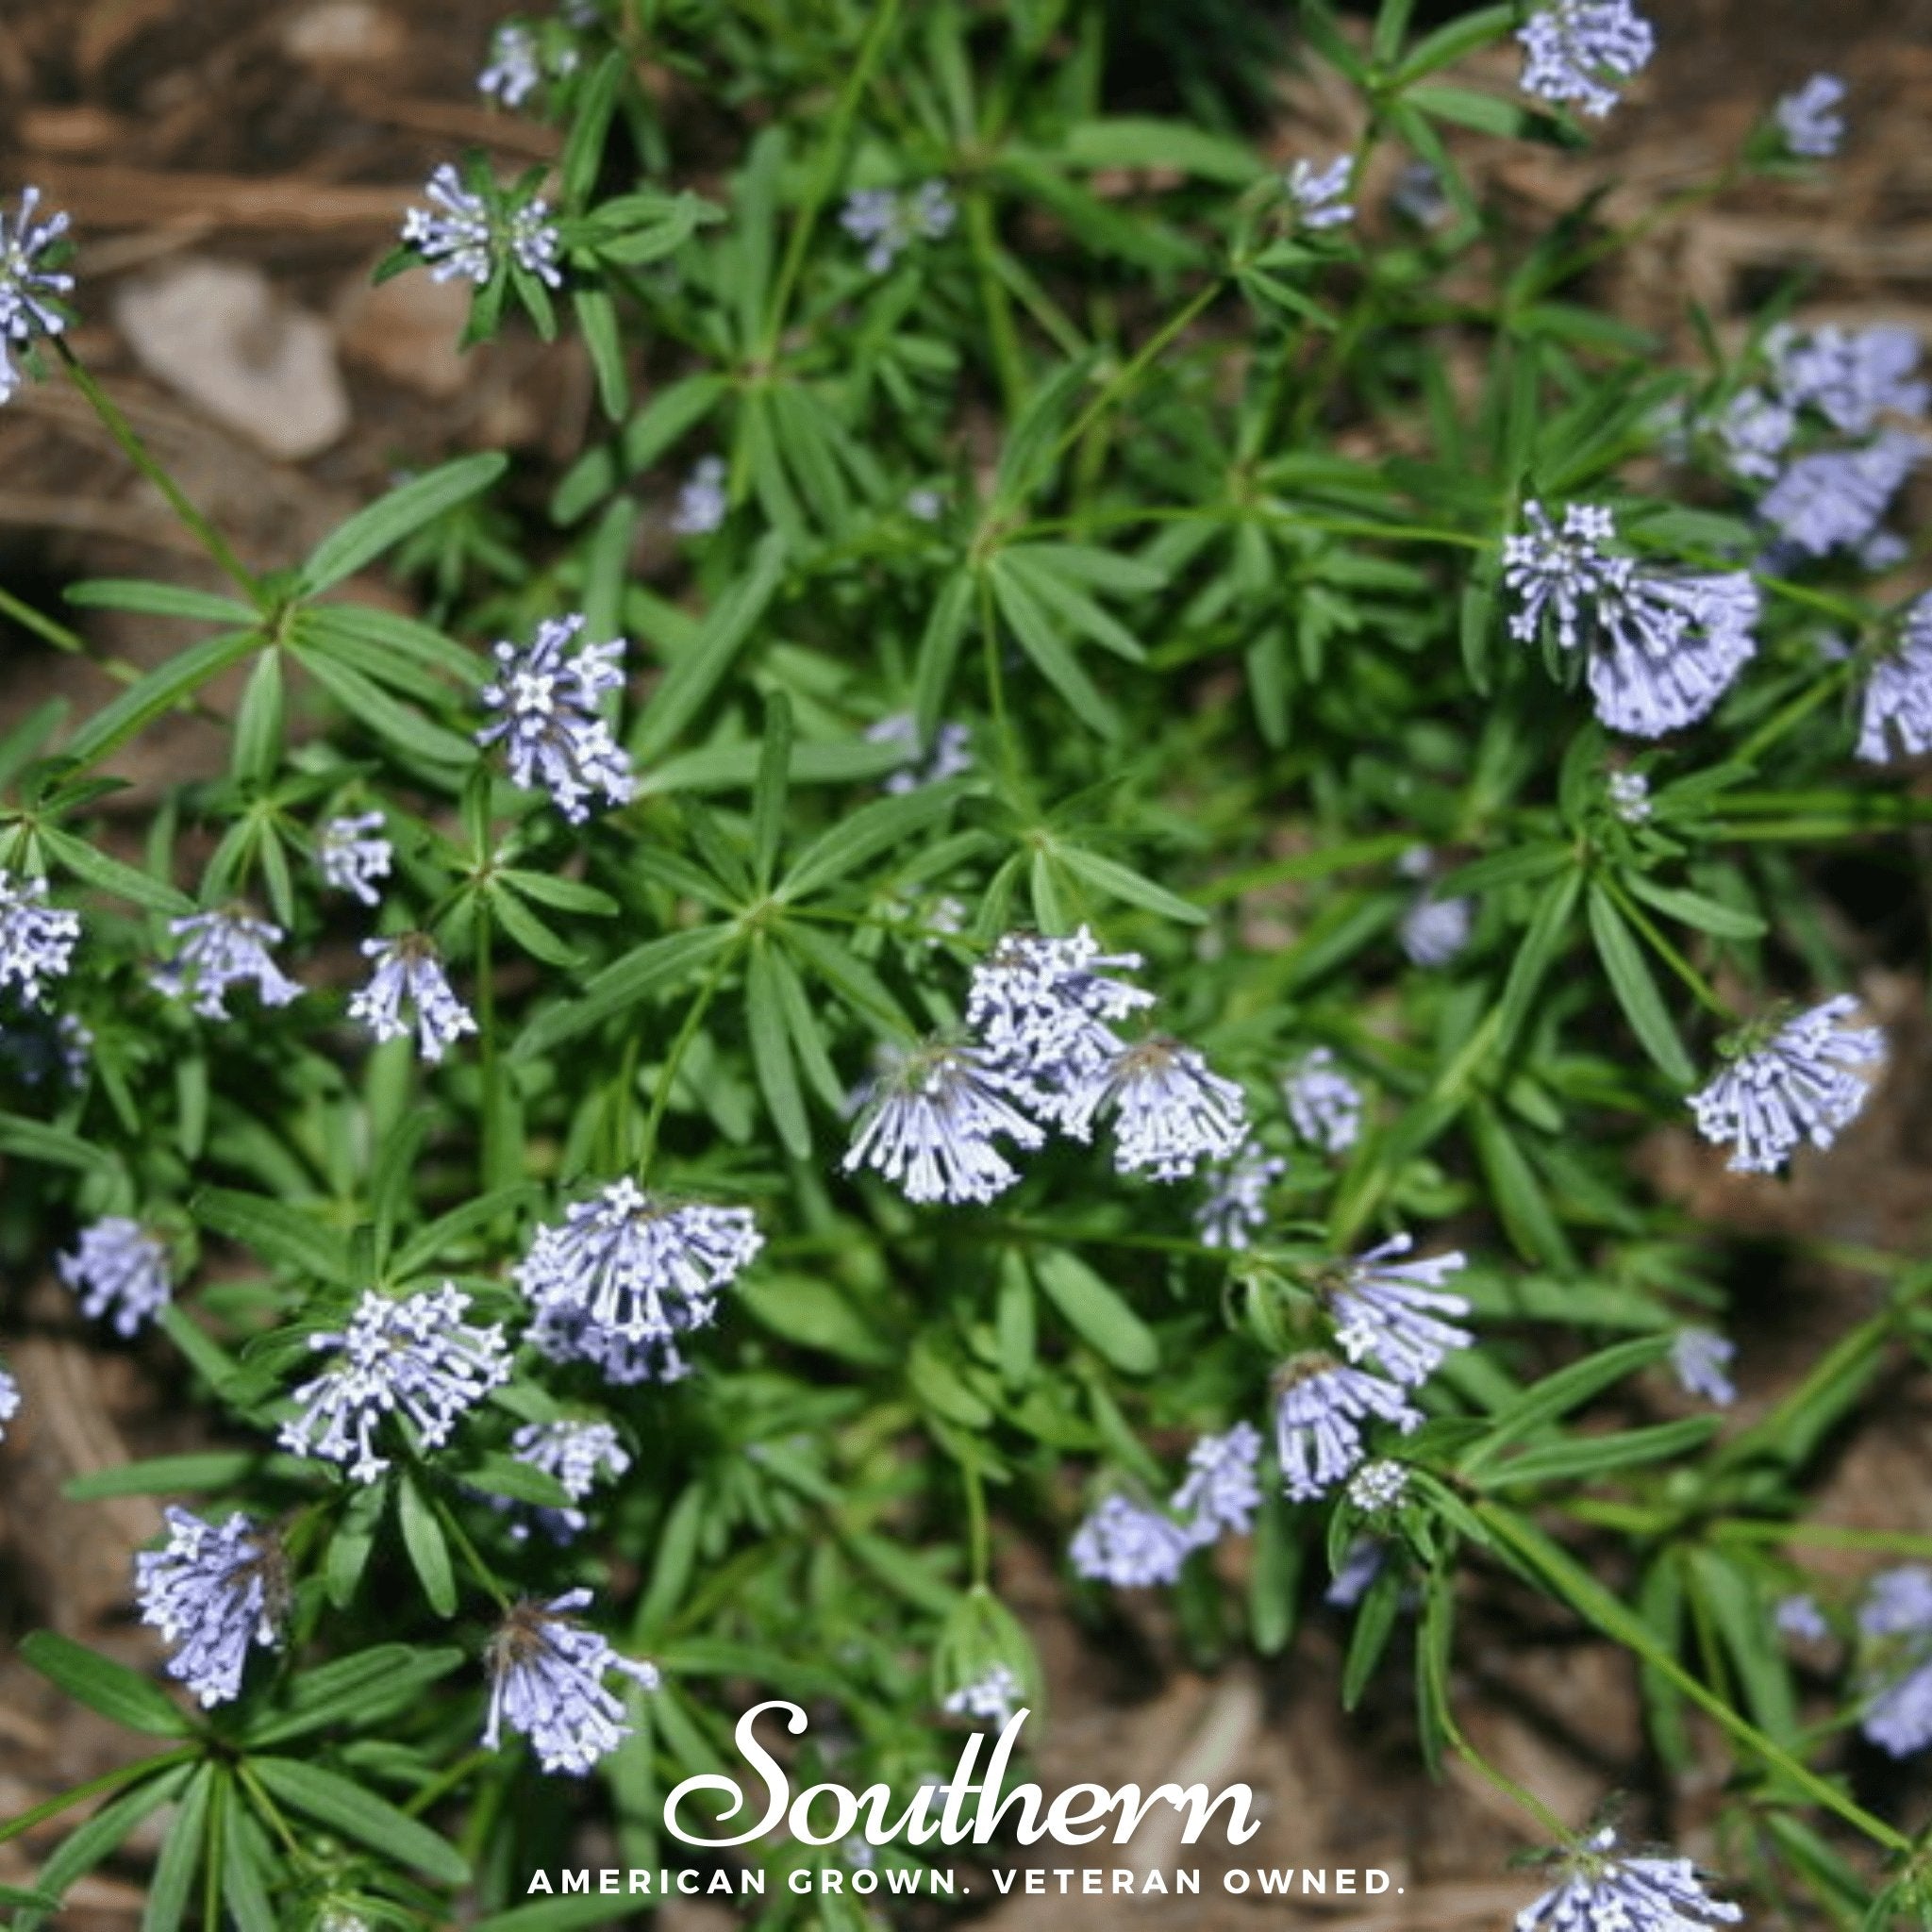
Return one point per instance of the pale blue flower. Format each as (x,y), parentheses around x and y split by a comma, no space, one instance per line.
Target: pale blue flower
(991,1698)
(1433,931)
(1895,1677)
(703,503)
(1584,51)
(1787,1084)
(1755,430)
(1607,1891)
(414,1358)
(1895,714)
(1630,797)
(212,1592)
(890,221)
(1220,1492)
(1324,1105)
(407,977)
(29,290)
(1318,194)
(1361,1563)
(1322,1406)
(1701,1358)
(1378,1487)
(1170,1111)
(579,1455)
(36,940)
(1234,1208)
(1852,377)
(1808,118)
(1388,1312)
(546,1680)
(949,754)
(1799,1617)
(10,1400)
(546,711)
(1129,1545)
(929,1121)
(352,854)
(120,1272)
(462,238)
(1832,499)
(219,950)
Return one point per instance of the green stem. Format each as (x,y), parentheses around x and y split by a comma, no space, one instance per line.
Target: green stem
(978,1532)
(1795,713)
(823,176)
(1130,372)
(667,1075)
(1009,363)
(1609,1615)
(491,1066)
(996,685)
(144,460)
(469,1553)
(1701,989)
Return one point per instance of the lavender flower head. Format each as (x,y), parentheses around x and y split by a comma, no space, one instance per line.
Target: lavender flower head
(1388,1313)
(1127,1544)
(29,289)
(37,939)
(414,1358)
(1895,1674)
(1170,1111)
(1662,646)
(516,65)
(218,949)
(1584,51)
(1791,1085)
(1630,797)
(637,1265)
(1220,1492)
(119,1271)
(890,221)
(213,1590)
(1380,1486)
(461,237)
(1799,1617)
(1324,1105)
(1895,714)
(1701,1358)
(545,704)
(991,1698)
(1433,931)
(1808,118)
(1361,1563)
(1852,377)
(1418,194)
(9,1401)
(949,756)
(562,1332)
(408,975)
(927,1122)
(546,1680)
(1754,431)
(40,1045)
(702,501)
(1604,1891)
(1321,1408)
(579,1455)
(1045,1009)
(1833,499)
(1234,1208)
(1318,196)
(351,854)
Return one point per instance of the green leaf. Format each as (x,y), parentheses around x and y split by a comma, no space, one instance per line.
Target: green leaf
(366,701)
(110,875)
(1136,141)
(878,826)
(621,985)
(180,1859)
(1096,1313)
(287,1235)
(115,1822)
(157,600)
(1375,1624)
(1693,909)
(771,1050)
(357,1689)
(164,1476)
(359,1812)
(1594,1456)
(701,668)
(1555,1395)
(1052,655)
(428,1551)
(103,1684)
(167,685)
(51,1146)
(404,512)
(938,651)
(1122,882)
(1541,944)
(1486,113)
(1636,989)
(769,794)
(1452,41)
(597,324)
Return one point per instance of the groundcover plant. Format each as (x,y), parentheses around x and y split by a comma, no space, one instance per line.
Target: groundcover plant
(1083,966)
